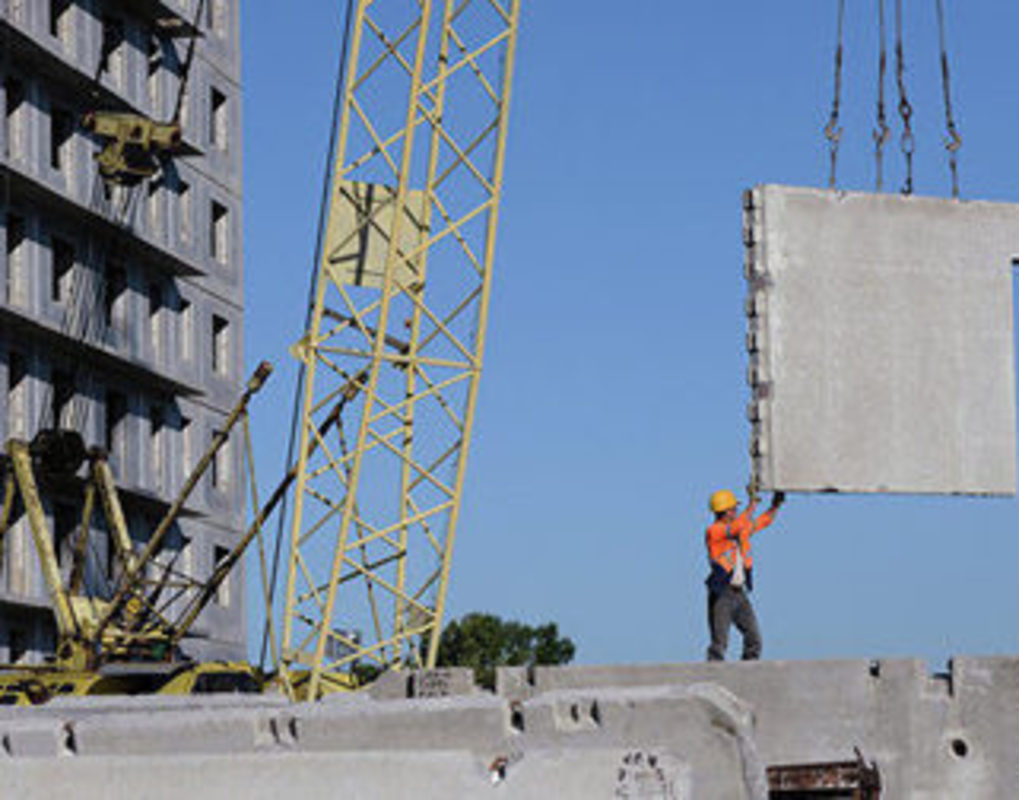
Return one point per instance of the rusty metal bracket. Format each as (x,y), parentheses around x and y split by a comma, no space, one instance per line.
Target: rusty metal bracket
(853,780)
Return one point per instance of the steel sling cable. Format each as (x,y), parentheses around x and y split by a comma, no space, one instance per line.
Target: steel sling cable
(832,131)
(907,142)
(319,244)
(881,130)
(954,140)
(186,67)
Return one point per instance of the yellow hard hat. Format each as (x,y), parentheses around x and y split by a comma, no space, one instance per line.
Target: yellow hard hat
(723,500)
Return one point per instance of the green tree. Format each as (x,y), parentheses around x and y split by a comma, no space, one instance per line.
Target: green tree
(484,642)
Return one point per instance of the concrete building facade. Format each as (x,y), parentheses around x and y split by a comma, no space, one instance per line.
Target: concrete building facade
(121,310)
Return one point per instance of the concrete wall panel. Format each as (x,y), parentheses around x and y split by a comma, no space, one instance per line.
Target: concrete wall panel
(880,340)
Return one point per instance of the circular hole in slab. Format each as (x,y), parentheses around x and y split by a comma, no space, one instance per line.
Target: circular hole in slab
(960,748)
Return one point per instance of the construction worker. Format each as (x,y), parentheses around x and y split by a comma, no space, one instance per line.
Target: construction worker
(731,578)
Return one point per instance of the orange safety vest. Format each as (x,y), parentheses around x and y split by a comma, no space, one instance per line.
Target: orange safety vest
(722,548)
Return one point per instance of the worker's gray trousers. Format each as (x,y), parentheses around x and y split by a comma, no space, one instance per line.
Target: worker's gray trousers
(732,606)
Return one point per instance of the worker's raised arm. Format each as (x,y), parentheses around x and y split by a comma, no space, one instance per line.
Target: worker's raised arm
(765,519)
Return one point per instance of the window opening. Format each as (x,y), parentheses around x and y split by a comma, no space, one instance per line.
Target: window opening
(185,317)
(217,119)
(218,232)
(110,54)
(61,396)
(155,318)
(220,344)
(155,65)
(65,521)
(116,285)
(63,263)
(185,447)
(220,554)
(17,387)
(116,412)
(15,246)
(58,11)
(184,211)
(14,93)
(61,131)
(157,422)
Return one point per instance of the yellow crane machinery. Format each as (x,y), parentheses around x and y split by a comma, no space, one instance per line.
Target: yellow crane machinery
(134,145)
(391,359)
(396,335)
(129,641)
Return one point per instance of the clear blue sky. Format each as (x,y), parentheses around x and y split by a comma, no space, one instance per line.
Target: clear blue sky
(613,396)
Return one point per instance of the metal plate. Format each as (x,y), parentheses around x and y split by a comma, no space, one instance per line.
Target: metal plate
(361,222)
(880,339)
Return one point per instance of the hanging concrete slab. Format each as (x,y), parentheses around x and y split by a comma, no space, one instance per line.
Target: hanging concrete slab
(880,341)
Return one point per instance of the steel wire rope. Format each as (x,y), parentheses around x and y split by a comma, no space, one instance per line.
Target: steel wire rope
(881,131)
(907,142)
(319,245)
(186,66)
(832,131)
(954,140)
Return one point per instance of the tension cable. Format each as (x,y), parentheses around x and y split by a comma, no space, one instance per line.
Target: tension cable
(832,131)
(881,131)
(954,140)
(907,142)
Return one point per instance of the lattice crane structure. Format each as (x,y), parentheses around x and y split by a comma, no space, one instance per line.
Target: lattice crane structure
(393,352)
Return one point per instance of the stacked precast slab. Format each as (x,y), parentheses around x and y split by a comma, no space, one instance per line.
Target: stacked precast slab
(662,731)
(880,340)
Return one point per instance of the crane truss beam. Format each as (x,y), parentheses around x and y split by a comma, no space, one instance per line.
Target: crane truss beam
(398,331)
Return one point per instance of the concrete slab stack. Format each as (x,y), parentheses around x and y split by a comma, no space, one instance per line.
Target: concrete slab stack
(662,731)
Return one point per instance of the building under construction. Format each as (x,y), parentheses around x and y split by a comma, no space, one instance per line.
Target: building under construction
(121,313)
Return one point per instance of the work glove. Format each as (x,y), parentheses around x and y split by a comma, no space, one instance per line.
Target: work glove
(777,499)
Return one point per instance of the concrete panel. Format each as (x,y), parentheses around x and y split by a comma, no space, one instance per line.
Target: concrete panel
(880,340)
(946,735)
(671,730)
(612,772)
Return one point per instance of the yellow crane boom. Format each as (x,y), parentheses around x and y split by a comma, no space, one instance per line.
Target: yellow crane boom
(400,307)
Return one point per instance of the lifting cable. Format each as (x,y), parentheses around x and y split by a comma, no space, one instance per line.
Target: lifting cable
(186,67)
(907,142)
(954,141)
(832,131)
(295,417)
(881,131)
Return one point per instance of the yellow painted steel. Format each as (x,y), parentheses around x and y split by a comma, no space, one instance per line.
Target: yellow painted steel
(21,463)
(394,349)
(102,477)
